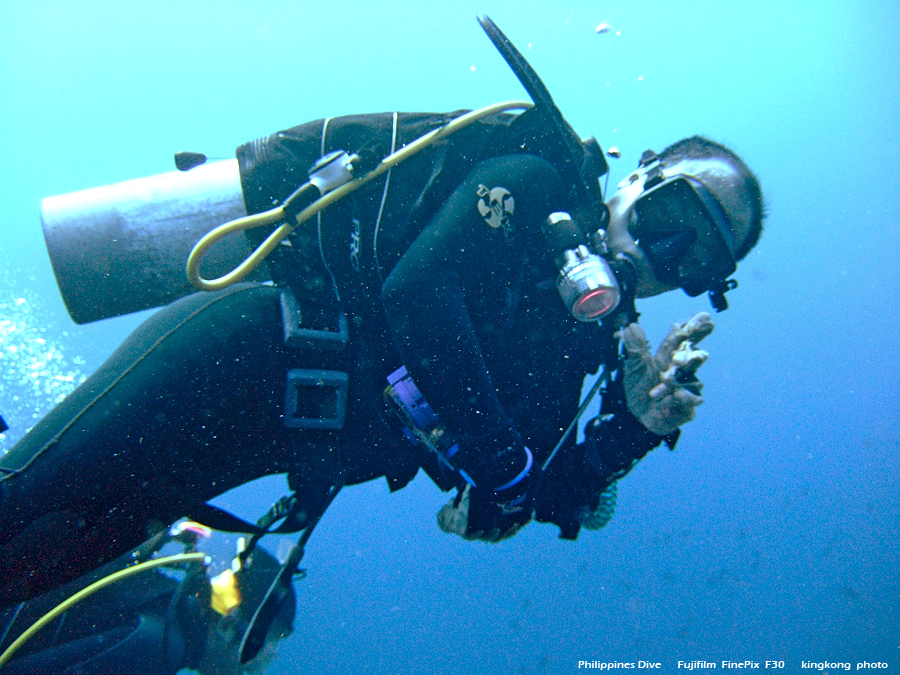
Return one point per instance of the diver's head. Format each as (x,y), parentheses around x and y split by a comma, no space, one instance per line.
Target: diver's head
(686,217)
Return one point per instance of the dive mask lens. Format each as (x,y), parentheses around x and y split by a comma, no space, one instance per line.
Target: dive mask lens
(666,254)
(684,233)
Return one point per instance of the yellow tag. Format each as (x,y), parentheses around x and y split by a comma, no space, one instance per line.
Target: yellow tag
(225,593)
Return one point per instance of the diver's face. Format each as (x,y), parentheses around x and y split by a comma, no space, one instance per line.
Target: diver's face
(718,176)
(619,239)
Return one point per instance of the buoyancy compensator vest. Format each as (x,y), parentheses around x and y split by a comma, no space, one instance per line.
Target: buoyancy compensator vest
(412,191)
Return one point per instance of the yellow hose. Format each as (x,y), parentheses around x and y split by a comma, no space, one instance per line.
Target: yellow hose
(277,214)
(90,590)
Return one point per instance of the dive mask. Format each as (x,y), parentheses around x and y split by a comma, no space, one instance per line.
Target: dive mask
(683,230)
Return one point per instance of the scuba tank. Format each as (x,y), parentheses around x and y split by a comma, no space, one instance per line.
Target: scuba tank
(121,248)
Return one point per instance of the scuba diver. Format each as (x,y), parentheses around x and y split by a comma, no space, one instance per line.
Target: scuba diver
(439,312)
(148,623)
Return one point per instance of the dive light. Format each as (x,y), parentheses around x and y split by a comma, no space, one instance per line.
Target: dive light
(586,283)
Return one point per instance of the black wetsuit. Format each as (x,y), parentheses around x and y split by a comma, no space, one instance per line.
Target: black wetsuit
(440,266)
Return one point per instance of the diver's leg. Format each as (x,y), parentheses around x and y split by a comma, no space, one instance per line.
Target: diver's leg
(187,408)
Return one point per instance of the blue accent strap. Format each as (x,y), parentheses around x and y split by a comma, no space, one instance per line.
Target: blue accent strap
(409,396)
(518,479)
(467,478)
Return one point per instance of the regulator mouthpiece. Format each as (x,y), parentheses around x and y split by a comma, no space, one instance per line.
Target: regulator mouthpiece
(586,284)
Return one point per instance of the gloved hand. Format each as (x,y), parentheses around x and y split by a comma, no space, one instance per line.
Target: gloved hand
(663,391)
(499,464)
(471,516)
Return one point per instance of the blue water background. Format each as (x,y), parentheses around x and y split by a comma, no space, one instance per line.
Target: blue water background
(772,531)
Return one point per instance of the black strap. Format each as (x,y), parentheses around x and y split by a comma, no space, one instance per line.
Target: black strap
(219,519)
(255,636)
(225,521)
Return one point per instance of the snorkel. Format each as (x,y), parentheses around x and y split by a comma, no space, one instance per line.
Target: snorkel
(587,282)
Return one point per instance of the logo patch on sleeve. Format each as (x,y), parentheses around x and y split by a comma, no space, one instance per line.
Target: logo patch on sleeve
(496,205)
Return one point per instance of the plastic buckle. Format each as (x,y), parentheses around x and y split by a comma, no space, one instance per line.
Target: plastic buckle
(315,399)
(297,337)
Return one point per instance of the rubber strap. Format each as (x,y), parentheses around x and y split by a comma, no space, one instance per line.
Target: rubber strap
(518,479)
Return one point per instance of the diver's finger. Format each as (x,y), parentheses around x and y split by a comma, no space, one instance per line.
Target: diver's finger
(682,411)
(698,327)
(687,398)
(694,386)
(679,408)
(693,330)
(689,360)
(673,341)
(673,381)
(661,390)
(635,340)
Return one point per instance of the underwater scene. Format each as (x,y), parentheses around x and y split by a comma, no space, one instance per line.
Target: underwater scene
(768,539)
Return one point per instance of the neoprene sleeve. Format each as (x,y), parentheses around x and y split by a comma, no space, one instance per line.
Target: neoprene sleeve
(460,267)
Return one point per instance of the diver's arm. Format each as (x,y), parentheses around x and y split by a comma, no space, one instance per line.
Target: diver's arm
(460,272)
(570,489)
(644,406)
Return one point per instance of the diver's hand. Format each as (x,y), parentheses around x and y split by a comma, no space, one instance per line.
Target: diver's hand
(663,391)
(471,516)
